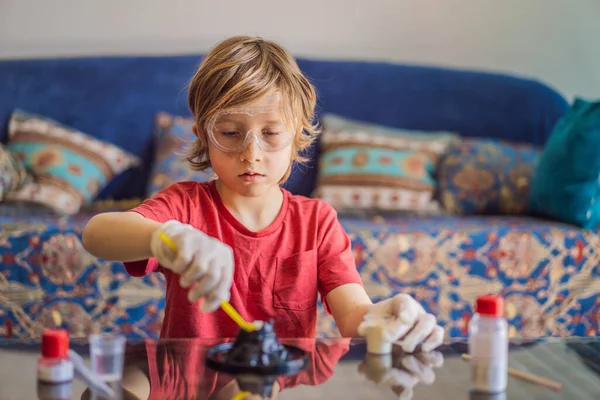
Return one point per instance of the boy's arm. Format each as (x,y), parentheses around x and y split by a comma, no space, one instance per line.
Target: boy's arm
(340,283)
(341,289)
(126,236)
(348,304)
(119,236)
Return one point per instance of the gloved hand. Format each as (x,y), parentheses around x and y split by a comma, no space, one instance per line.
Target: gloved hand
(406,323)
(201,261)
(401,371)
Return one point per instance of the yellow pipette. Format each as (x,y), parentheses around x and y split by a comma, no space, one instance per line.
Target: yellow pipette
(241,395)
(228,308)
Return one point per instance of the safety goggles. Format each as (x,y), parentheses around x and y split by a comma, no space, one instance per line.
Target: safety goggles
(232,130)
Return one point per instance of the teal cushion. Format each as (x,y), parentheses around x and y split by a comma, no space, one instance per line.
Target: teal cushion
(566,185)
(68,168)
(370,167)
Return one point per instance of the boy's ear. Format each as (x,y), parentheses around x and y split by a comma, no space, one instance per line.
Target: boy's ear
(195,129)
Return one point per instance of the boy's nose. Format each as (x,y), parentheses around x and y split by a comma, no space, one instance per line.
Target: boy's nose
(252,151)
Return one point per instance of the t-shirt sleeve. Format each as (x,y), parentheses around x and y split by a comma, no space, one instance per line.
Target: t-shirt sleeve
(336,263)
(171,203)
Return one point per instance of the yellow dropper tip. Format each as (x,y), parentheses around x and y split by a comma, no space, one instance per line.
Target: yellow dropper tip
(241,395)
(233,314)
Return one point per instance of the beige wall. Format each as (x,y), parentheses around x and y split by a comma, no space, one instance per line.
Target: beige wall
(554,40)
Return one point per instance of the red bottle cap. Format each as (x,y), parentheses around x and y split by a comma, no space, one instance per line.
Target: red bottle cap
(55,343)
(490,305)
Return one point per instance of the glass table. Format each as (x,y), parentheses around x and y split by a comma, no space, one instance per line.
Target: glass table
(335,369)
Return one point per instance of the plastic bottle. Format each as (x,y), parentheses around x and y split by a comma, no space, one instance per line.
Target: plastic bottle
(488,345)
(55,366)
(54,391)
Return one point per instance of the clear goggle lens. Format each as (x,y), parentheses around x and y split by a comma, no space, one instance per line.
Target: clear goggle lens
(234,140)
(228,130)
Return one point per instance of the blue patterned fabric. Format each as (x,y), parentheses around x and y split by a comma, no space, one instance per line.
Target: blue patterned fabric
(117,98)
(549,274)
(175,136)
(486,176)
(45,272)
(566,182)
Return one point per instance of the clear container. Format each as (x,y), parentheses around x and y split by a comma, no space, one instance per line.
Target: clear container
(488,346)
(107,354)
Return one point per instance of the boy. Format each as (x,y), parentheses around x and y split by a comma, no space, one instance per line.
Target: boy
(242,237)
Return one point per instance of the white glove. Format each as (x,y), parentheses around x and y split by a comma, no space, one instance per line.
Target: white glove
(406,322)
(200,260)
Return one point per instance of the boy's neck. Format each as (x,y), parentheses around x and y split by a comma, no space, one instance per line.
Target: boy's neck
(255,213)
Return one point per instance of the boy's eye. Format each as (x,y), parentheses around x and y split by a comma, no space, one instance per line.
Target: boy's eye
(271,133)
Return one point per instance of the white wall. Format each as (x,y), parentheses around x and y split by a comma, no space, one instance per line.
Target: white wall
(553,40)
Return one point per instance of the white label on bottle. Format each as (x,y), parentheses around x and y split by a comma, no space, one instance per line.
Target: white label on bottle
(62,372)
(489,376)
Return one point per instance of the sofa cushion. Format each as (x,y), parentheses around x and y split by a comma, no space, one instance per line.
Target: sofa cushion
(68,168)
(486,176)
(369,167)
(566,185)
(174,136)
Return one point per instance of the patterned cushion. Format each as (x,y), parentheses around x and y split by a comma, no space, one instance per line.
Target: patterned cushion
(370,167)
(69,168)
(174,134)
(12,172)
(486,176)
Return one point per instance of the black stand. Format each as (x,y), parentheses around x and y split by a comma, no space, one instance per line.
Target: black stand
(256,358)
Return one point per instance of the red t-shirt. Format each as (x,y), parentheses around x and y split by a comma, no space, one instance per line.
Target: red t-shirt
(279,271)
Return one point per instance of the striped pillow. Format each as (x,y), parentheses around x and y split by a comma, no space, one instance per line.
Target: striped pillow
(370,167)
(68,168)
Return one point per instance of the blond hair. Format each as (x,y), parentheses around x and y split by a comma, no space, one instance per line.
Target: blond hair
(243,69)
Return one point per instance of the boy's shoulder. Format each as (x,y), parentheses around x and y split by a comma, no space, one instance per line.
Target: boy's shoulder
(310,206)
(187,188)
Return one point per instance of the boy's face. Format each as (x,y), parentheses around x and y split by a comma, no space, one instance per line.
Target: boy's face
(250,148)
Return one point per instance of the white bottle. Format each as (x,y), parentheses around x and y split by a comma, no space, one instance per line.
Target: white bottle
(54,366)
(488,345)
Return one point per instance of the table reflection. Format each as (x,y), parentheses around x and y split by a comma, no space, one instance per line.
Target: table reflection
(175,369)
(401,371)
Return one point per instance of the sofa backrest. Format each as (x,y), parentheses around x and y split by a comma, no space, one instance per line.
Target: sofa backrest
(117,98)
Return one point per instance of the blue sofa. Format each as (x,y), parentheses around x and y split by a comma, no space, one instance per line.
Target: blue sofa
(544,269)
